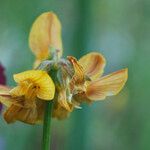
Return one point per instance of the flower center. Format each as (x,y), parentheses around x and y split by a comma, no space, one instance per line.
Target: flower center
(32,90)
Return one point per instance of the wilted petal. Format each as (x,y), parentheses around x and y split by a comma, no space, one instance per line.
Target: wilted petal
(93,64)
(45,34)
(40,109)
(78,79)
(60,112)
(107,86)
(18,111)
(80,98)
(62,100)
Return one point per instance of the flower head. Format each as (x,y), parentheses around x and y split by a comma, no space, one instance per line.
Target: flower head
(34,83)
(67,81)
(24,102)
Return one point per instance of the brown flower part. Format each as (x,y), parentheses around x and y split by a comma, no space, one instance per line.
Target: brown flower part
(97,88)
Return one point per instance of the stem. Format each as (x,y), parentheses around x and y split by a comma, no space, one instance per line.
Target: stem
(47,126)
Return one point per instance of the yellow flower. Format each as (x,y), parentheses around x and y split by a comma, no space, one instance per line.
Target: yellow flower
(86,84)
(91,85)
(76,81)
(45,35)
(25,102)
(34,83)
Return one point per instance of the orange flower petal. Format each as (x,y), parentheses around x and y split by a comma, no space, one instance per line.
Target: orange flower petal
(45,34)
(60,112)
(78,69)
(40,109)
(93,64)
(18,112)
(78,77)
(63,101)
(107,86)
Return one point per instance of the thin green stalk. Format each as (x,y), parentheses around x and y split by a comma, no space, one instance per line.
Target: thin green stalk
(47,126)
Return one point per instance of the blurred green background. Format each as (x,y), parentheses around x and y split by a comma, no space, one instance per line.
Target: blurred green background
(120,30)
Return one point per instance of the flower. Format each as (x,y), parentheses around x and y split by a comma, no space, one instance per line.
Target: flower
(87,84)
(25,101)
(96,87)
(67,81)
(45,35)
(78,81)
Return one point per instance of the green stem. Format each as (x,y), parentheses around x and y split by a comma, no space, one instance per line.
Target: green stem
(47,126)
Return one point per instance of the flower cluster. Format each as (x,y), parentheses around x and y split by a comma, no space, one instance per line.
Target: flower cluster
(68,82)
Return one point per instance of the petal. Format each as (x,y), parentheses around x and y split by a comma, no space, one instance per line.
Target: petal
(4,90)
(78,69)
(78,77)
(5,97)
(45,34)
(60,112)
(80,98)
(18,112)
(39,78)
(107,86)
(18,91)
(30,75)
(62,100)
(37,62)
(40,109)
(6,100)
(47,87)
(93,64)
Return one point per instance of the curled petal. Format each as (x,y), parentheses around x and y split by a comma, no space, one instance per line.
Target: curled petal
(93,64)
(60,112)
(17,111)
(22,110)
(107,86)
(45,34)
(40,79)
(78,77)
(79,98)
(63,101)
